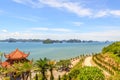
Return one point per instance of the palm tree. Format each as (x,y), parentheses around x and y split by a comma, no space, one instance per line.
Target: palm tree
(42,64)
(59,78)
(51,65)
(26,68)
(36,77)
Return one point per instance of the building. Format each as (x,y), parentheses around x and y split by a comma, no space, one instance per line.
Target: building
(15,57)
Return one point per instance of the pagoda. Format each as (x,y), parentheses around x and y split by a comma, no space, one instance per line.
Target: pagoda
(15,57)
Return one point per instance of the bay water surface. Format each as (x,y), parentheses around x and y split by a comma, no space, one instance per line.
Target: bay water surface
(54,51)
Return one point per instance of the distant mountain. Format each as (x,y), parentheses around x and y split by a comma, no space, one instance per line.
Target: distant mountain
(49,41)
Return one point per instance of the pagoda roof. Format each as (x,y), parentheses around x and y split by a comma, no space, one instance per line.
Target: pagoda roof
(17,54)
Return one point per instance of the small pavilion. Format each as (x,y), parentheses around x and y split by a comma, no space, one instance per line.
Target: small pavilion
(15,57)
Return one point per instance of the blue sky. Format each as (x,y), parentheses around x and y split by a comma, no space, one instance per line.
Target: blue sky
(60,19)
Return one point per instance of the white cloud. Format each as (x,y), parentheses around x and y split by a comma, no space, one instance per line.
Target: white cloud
(15,34)
(4,30)
(61,30)
(101,13)
(51,29)
(19,1)
(72,7)
(107,12)
(115,12)
(29,3)
(77,9)
(69,6)
(40,29)
(28,18)
(77,23)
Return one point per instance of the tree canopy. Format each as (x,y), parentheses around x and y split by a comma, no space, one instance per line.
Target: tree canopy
(113,48)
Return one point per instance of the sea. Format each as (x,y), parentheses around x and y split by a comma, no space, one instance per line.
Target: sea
(55,51)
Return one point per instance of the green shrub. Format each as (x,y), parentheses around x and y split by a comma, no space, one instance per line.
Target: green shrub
(90,73)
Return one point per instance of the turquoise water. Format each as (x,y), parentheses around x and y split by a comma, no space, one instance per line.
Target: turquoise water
(54,51)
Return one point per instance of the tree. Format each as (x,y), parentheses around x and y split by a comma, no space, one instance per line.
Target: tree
(36,77)
(19,70)
(59,78)
(42,64)
(51,65)
(1,55)
(1,71)
(27,67)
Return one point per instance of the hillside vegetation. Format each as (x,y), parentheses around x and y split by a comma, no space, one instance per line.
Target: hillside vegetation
(113,51)
(109,60)
(113,48)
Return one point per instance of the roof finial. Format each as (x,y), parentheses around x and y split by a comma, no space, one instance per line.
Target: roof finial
(17,49)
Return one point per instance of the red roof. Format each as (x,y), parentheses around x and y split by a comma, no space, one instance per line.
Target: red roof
(5,64)
(17,54)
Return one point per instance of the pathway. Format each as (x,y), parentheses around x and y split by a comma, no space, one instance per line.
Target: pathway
(88,62)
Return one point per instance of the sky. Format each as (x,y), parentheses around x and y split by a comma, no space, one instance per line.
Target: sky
(60,19)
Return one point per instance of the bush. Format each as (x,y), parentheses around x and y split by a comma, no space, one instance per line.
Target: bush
(90,73)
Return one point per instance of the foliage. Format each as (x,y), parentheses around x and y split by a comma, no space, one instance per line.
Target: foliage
(110,62)
(85,73)
(113,51)
(79,64)
(59,78)
(20,69)
(36,77)
(90,73)
(100,61)
(42,65)
(65,77)
(75,70)
(114,57)
(74,73)
(51,65)
(113,48)
(64,65)
(1,55)
(115,77)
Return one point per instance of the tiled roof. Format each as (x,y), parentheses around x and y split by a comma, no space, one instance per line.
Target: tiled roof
(5,64)
(17,54)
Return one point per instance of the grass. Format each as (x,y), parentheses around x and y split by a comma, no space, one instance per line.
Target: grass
(79,64)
